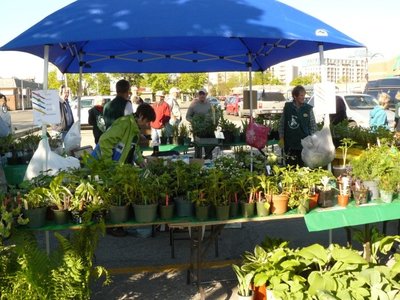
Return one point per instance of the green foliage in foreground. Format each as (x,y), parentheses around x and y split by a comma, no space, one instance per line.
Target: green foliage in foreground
(315,272)
(27,272)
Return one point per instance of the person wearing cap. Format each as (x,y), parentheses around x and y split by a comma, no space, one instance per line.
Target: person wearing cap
(201,106)
(163,115)
(120,105)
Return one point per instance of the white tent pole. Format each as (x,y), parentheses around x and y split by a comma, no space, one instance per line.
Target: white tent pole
(80,91)
(324,75)
(251,107)
(45,87)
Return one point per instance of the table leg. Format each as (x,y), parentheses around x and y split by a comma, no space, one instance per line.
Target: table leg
(199,245)
(47,237)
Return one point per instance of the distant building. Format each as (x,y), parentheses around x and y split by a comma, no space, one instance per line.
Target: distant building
(18,92)
(338,70)
(285,72)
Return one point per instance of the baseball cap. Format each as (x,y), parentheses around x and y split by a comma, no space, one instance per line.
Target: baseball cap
(160,93)
(203,90)
(174,90)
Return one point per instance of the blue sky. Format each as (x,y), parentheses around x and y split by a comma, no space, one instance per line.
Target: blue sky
(375,24)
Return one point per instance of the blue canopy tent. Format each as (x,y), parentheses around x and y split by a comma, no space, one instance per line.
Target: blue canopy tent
(147,36)
(175,36)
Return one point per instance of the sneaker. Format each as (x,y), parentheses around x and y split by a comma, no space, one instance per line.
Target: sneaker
(117,231)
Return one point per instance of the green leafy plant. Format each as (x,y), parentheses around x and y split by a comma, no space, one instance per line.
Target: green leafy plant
(345,145)
(28,272)
(58,194)
(35,198)
(244,280)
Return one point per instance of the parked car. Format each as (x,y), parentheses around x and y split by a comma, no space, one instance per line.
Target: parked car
(87,102)
(358,107)
(233,105)
(215,102)
(269,103)
(390,86)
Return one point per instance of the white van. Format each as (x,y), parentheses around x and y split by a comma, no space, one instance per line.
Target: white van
(358,107)
(87,102)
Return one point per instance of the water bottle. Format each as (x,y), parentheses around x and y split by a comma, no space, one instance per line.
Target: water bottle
(117,151)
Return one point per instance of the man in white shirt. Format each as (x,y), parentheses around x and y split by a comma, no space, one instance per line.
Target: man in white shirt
(176,116)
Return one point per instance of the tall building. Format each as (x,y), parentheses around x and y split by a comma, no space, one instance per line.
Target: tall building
(285,72)
(346,70)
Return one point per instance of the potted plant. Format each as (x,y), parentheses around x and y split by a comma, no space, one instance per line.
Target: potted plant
(204,126)
(35,205)
(145,205)
(166,204)
(389,184)
(244,283)
(246,193)
(202,205)
(183,179)
(217,192)
(370,165)
(268,187)
(280,200)
(59,198)
(345,145)
(228,128)
(326,192)
(344,184)
(119,190)
(183,135)
(360,192)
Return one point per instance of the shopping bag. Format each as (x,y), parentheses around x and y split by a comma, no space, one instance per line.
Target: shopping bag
(257,135)
(318,149)
(72,139)
(46,160)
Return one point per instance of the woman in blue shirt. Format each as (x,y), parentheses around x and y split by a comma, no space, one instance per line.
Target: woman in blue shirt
(378,115)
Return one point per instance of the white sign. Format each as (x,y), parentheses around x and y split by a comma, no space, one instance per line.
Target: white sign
(46,107)
(325,98)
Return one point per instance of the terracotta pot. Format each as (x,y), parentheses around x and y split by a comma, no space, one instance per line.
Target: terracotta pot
(260,292)
(343,200)
(313,202)
(279,204)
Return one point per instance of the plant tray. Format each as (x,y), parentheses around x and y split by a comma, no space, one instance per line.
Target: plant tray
(206,141)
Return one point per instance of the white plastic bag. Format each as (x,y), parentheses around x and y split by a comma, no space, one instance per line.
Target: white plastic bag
(72,139)
(318,149)
(55,162)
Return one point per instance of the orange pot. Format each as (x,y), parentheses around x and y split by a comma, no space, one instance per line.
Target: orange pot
(313,201)
(343,200)
(259,292)
(279,204)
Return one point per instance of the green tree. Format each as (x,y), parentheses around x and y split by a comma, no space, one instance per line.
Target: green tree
(305,80)
(191,82)
(103,84)
(261,78)
(134,78)
(52,82)
(157,82)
